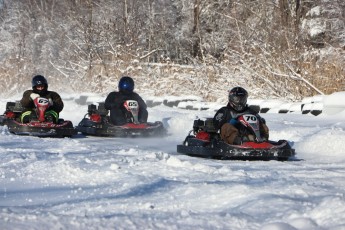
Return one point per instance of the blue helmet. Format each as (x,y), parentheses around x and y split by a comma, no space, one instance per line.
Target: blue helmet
(126,84)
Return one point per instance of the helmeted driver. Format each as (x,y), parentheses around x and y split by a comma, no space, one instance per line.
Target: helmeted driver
(115,103)
(40,89)
(225,118)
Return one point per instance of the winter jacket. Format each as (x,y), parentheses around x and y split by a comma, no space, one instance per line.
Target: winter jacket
(226,113)
(28,103)
(115,103)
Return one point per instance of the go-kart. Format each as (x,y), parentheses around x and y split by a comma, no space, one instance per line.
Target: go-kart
(96,122)
(205,141)
(38,125)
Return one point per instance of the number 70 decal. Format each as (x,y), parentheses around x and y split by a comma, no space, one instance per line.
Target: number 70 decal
(250,118)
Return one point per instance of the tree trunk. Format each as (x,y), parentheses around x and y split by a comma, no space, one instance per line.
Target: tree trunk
(196,26)
(284,12)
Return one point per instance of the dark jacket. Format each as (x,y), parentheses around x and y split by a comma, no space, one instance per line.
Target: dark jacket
(114,102)
(28,103)
(226,113)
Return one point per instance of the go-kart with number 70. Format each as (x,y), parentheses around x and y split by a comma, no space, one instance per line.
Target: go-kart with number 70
(205,141)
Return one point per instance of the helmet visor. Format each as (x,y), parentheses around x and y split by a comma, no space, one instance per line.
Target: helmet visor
(40,87)
(238,102)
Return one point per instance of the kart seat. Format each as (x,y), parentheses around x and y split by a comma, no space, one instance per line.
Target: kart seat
(204,125)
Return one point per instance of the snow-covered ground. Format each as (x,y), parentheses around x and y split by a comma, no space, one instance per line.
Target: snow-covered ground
(135,183)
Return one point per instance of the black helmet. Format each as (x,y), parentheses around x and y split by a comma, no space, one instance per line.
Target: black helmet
(126,84)
(39,80)
(238,98)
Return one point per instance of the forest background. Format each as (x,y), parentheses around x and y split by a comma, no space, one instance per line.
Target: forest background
(275,48)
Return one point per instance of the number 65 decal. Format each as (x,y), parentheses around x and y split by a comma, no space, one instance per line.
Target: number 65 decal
(132,103)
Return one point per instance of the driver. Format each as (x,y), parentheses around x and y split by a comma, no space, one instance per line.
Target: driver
(225,118)
(40,89)
(115,103)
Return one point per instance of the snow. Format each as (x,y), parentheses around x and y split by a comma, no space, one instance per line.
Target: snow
(316,11)
(137,183)
(314,24)
(334,103)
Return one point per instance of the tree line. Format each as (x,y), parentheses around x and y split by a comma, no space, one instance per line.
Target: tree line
(290,47)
